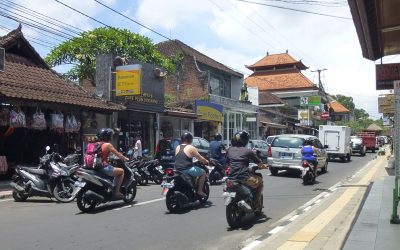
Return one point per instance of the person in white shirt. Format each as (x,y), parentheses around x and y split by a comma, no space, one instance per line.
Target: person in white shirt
(138,146)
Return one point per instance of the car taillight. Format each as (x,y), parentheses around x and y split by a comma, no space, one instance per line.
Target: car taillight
(269,151)
(169,171)
(305,164)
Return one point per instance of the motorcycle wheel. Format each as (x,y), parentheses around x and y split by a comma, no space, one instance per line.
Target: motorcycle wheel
(233,215)
(172,202)
(308,178)
(206,190)
(18,197)
(130,194)
(143,182)
(84,206)
(64,195)
(158,179)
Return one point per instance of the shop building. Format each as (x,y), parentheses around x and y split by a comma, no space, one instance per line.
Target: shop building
(38,108)
(215,88)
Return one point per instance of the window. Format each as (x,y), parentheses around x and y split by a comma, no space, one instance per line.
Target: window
(220,86)
(205,144)
(317,144)
(288,142)
(196,143)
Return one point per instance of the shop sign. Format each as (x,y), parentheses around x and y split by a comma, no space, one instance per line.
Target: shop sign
(386,104)
(251,119)
(128,80)
(209,111)
(310,100)
(303,114)
(2,58)
(386,74)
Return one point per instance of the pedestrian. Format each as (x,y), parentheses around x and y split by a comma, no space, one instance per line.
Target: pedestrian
(217,149)
(138,146)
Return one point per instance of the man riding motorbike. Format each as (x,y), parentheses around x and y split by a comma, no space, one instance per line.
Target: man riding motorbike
(308,151)
(104,137)
(184,155)
(239,157)
(216,148)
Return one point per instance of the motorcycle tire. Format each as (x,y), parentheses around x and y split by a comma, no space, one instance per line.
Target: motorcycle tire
(143,182)
(64,196)
(84,206)
(172,202)
(308,178)
(206,190)
(18,197)
(158,179)
(233,215)
(130,194)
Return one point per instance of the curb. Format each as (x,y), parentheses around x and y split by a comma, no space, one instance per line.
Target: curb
(5,194)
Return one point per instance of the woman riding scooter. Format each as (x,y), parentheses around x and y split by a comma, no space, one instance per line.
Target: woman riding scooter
(308,152)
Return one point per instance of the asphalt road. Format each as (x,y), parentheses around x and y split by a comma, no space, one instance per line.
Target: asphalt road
(44,224)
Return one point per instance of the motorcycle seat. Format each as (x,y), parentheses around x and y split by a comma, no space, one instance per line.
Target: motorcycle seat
(98,173)
(35,171)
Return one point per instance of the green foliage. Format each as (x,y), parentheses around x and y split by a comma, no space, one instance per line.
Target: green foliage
(169,99)
(81,51)
(348,102)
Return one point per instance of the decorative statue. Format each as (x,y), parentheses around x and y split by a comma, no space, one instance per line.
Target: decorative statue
(244,94)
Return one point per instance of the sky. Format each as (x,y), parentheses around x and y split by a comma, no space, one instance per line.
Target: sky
(233,32)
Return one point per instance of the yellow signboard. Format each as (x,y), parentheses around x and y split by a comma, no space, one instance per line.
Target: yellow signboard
(386,104)
(128,80)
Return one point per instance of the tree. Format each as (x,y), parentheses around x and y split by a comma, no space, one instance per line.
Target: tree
(81,51)
(348,102)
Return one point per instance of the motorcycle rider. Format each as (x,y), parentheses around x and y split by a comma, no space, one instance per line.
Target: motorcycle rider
(308,152)
(184,155)
(104,137)
(216,148)
(239,157)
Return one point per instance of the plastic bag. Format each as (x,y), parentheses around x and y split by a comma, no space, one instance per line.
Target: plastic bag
(4,117)
(57,122)
(38,120)
(72,125)
(17,119)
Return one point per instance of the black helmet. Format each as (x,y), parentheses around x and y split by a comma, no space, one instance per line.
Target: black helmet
(218,137)
(240,138)
(105,134)
(187,137)
(308,141)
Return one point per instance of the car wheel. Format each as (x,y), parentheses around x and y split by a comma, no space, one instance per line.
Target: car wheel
(348,157)
(274,171)
(324,169)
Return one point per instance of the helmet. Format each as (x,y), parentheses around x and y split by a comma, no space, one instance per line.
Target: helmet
(240,138)
(105,134)
(218,137)
(187,137)
(308,141)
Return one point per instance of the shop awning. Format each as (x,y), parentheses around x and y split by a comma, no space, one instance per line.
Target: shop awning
(182,114)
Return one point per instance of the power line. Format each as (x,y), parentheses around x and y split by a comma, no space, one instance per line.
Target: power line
(138,23)
(297,10)
(318,3)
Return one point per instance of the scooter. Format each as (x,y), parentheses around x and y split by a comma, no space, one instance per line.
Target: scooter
(240,199)
(98,188)
(307,173)
(180,189)
(155,170)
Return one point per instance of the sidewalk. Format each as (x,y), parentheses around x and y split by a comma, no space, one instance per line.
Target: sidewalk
(353,215)
(5,189)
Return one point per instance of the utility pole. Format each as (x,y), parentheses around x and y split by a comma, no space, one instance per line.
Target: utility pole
(320,86)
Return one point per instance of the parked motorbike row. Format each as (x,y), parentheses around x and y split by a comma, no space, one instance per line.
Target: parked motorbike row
(65,179)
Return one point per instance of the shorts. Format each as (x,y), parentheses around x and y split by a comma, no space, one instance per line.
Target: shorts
(108,170)
(194,171)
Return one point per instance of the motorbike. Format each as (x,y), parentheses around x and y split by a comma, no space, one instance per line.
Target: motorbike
(217,174)
(98,188)
(180,189)
(240,199)
(52,178)
(307,173)
(155,170)
(142,175)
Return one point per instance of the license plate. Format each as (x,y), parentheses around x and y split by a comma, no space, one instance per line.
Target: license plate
(79,184)
(168,185)
(284,155)
(229,194)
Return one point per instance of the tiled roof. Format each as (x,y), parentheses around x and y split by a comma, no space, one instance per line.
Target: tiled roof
(173,47)
(279,81)
(338,107)
(267,98)
(22,79)
(276,60)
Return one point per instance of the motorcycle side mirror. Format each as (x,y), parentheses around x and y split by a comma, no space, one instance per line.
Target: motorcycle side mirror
(47,149)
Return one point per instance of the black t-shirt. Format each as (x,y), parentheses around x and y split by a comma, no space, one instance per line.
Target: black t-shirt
(239,159)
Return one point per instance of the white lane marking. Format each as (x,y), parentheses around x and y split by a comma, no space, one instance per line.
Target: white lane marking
(333,189)
(3,200)
(140,203)
(251,245)
(276,229)
(326,195)
(307,208)
(318,201)
(294,217)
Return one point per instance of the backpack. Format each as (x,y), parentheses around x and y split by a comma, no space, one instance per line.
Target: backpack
(93,155)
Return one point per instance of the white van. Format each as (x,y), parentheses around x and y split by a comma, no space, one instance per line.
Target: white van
(338,141)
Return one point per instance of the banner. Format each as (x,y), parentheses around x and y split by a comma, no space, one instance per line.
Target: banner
(386,74)
(128,80)
(209,111)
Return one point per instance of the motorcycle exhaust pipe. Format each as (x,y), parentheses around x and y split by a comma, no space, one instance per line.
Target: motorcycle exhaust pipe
(90,195)
(246,207)
(17,187)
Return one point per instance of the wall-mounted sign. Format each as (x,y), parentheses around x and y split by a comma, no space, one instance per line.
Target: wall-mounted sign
(2,58)
(209,111)
(386,74)
(310,100)
(128,80)
(386,104)
(303,114)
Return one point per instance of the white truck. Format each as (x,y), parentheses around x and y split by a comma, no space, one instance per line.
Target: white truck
(337,141)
